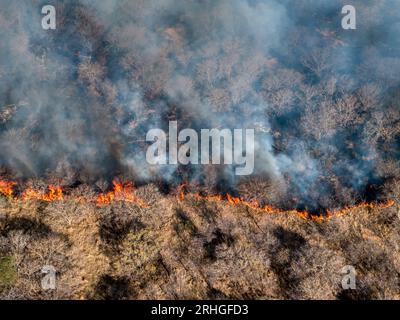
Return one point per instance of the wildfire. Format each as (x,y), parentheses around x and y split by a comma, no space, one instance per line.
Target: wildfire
(236,201)
(55,193)
(123,191)
(6,188)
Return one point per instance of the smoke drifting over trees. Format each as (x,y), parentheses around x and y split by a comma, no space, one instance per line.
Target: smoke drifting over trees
(76,102)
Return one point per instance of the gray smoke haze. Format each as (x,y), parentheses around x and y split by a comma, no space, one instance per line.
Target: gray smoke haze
(76,102)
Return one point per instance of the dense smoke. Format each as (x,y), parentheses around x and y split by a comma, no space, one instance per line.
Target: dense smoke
(77,102)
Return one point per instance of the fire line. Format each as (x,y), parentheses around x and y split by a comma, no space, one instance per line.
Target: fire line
(125,192)
(254,205)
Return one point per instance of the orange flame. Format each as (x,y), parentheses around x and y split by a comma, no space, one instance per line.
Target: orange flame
(124,191)
(55,193)
(235,201)
(6,188)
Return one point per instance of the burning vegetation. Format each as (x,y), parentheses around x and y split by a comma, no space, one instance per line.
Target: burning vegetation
(191,246)
(268,209)
(6,188)
(122,192)
(77,192)
(77,105)
(54,193)
(125,192)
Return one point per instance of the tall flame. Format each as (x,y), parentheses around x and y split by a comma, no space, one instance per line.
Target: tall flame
(55,193)
(122,191)
(125,191)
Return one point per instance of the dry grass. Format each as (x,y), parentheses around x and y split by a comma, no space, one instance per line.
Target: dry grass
(194,249)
